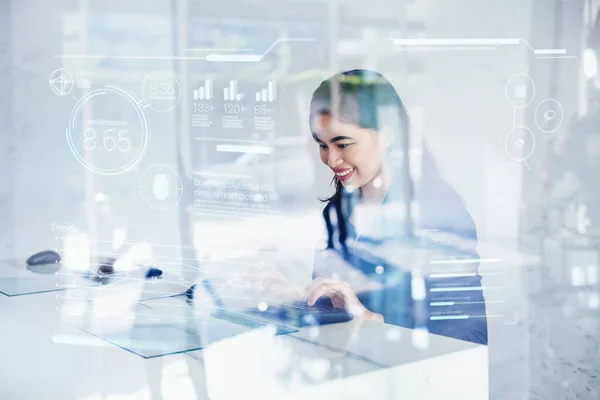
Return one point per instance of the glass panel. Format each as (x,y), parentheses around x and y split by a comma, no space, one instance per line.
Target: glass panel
(170,325)
(17,279)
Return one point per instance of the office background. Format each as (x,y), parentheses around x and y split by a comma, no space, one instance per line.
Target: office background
(456,98)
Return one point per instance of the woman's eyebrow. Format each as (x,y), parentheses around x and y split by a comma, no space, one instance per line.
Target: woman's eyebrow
(338,138)
(316,138)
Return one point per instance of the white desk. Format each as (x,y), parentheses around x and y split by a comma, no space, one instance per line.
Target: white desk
(355,360)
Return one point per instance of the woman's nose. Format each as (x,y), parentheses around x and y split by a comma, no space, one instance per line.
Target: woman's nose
(334,159)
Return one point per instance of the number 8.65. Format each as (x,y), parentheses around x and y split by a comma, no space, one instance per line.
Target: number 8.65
(112,139)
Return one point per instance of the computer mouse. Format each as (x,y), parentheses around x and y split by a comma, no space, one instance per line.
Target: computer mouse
(106,266)
(44,257)
(153,273)
(44,269)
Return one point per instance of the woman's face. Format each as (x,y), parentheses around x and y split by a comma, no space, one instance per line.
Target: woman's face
(354,154)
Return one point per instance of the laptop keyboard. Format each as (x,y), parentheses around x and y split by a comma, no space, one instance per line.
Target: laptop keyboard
(297,304)
(303,305)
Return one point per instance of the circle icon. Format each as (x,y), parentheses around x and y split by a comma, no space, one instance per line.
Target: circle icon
(161,187)
(519,90)
(61,82)
(549,115)
(161,91)
(108,132)
(519,143)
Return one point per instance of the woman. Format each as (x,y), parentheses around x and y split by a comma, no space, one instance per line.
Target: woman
(361,128)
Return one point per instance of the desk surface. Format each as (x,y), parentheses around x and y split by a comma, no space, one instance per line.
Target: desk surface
(46,356)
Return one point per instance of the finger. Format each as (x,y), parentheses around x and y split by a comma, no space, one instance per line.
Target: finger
(312,286)
(339,291)
(345,292)
(325,289)
(373,316)
(316,282)
(315,294)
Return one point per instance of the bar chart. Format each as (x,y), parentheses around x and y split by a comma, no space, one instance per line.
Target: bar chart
(267,94)
(231,93)
(204,92)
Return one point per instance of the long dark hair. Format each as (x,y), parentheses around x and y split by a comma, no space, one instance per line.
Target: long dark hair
(367,99)
(360,97)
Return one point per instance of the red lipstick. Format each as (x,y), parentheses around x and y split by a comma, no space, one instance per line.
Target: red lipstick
(342,170)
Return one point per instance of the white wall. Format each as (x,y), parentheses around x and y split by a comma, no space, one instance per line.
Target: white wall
(6,137)
(467,114)
(46,183)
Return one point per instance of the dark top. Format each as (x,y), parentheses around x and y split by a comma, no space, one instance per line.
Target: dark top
(448,306)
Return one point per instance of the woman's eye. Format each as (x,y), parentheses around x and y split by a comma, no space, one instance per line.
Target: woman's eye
(343,146)
(323,147)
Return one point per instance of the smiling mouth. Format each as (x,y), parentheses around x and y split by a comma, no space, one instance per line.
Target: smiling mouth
(344,174)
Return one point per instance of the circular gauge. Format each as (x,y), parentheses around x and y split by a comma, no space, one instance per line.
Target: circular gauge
(108,132)
(61,82)
(549,115)
(161,187)
(161,91)
(519,143)
(519,90)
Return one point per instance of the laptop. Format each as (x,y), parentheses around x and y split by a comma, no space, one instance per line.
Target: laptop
(276,302)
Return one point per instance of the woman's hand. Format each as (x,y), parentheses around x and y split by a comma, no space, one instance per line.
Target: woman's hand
(342,296)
